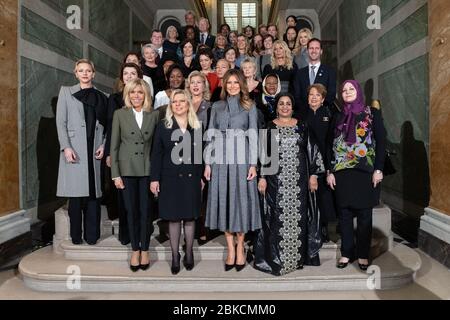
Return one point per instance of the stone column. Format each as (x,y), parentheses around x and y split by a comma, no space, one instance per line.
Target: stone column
(9,83)
(15,235)
(434,233)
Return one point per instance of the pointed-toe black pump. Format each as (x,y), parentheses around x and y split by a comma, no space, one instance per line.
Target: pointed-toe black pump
(189,265)
(175,268)
(342,265)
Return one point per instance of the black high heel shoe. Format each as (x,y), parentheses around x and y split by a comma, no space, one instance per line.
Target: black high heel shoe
(363,266)
(144,266)
(135,268)
(188,265)
(228,267)
(175,268)
(239,267)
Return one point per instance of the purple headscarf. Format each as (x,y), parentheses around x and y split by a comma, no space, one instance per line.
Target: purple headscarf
(347,124)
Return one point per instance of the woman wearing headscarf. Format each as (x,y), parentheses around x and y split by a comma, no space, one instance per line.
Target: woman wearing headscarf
(265,103)
(356,170)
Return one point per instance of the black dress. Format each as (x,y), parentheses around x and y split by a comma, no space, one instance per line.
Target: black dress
(180,195)
(290,236)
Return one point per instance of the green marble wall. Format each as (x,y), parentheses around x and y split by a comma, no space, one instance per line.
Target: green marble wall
(40,147)
(353,23)
(141,33)
(389,7)
(329,35)
(110,21)
(362,61)
(62,5)
(404,94)
(405,34)
(43,33)
(104,63)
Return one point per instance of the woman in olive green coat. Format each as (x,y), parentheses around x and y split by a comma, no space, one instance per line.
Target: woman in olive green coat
(131,140)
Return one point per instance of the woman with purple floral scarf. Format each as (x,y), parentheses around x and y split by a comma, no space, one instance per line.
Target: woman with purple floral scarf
(355,170)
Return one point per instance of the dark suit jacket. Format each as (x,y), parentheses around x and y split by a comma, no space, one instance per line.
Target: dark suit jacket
(325,75)
(210,40)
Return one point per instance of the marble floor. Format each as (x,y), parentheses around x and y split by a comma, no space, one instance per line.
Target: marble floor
(432,283)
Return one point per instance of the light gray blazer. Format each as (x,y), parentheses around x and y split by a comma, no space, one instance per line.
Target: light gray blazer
(73,179)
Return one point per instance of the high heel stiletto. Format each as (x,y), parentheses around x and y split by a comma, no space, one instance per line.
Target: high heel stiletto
(144,266)
(239,267)
(188,265)
(135,268)
(175,268)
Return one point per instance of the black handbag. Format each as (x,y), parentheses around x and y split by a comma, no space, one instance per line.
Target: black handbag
(389,168)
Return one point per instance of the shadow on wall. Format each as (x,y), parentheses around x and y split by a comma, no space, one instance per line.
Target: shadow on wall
(47,151)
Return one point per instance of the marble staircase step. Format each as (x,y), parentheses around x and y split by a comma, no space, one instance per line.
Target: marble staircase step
(45,270)
(111,249)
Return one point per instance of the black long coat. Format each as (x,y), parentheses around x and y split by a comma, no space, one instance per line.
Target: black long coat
(179,178)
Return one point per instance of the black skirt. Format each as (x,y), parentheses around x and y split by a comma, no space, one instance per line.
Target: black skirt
(180,198)
(354,189)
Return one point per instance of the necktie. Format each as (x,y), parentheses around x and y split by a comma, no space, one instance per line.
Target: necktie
(312,75)
(203,38)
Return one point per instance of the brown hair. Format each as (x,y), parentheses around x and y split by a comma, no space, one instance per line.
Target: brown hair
(320,88)
(245,100)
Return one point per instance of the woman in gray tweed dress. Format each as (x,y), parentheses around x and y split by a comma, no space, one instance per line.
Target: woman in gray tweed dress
(231,157)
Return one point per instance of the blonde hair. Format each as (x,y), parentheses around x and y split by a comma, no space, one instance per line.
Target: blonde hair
(249,60)
(195,73)
(287,54)
(147,105)
(193,121)
(298,46)
(245,100)
(86,61)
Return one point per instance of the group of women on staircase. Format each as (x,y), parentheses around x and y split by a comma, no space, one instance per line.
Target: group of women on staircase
(224,150)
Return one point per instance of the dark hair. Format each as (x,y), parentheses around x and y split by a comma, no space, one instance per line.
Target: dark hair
(291,16)
(187,28)
(131,53)
(249,26)
(131,65)
(225,25)
(206,52)
(185,42)
(170,70)
(156,30)
(316,40)
(236,51)
(284,94)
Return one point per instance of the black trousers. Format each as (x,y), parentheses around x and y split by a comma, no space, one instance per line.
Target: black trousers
(136,199)
(87,211)
(325,201)
(363,232)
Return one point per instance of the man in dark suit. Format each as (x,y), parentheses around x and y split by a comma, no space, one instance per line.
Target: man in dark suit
(204,37)
(315,72)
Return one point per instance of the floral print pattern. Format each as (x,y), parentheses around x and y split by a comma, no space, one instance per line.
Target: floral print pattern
(362,153)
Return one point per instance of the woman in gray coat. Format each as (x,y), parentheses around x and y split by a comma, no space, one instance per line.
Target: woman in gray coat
(231,158)
(80,120)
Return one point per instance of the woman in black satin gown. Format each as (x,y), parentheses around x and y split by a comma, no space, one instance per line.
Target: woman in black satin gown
(290,237)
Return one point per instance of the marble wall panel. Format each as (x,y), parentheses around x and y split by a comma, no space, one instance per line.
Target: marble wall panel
(110,21)
(62,5)
(389,7)
(141,33)
(413,29)
(40,147)
(43,33)
(104,63)
(404,95)
(353,23)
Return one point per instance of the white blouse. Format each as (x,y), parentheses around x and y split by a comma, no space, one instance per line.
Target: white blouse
(161,99)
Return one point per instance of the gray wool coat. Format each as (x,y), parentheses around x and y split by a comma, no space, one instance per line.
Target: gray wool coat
(73,180)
